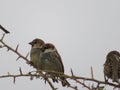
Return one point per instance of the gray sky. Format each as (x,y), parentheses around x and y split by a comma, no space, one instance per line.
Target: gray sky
(83,31)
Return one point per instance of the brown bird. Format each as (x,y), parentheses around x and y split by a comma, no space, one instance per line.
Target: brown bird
(36,46)
(112,66)
(51,61)
(45,57)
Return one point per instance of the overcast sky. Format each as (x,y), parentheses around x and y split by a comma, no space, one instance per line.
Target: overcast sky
(83,31)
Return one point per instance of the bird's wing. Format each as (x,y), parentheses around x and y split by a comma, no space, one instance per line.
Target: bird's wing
(60,61)
(114,60)
(52,61)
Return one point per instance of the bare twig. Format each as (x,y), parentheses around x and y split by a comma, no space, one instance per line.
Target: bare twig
(51,85)
(14,50)
(72,72)
(2,28)
(82,83)
(20,71)
(17,48)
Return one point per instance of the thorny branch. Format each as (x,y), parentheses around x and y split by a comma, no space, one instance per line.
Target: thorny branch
(24,58)
(78,79)
(14,50)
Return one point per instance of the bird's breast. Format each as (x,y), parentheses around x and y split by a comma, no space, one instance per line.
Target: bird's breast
(35,57)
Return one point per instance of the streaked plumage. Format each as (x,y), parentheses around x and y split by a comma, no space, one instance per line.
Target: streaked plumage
(112,66)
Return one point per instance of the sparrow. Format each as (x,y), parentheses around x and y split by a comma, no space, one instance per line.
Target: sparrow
(44,56)
(51,61)
(2,28)
(35,52)
(112,66)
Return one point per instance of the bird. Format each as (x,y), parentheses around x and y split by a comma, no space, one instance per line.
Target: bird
(44,56)
(2,28)
(112,66)
(51,60)
(36,46)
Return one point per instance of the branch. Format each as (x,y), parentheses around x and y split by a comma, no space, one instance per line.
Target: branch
(13,50)
(2,28)
(20,56)
(73,77)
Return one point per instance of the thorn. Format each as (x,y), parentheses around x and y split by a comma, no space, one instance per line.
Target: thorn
(31,78)
(72,72)
(8,49)
(1,46)
(29,73)
(14,79)
(92,72)
(3,37)
(8,73)
(27,55)
(18,58)
(20,70)
(17,47)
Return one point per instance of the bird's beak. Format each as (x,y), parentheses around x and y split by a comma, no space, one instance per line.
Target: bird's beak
(30,43)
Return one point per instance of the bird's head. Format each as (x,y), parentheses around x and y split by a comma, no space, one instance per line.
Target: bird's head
(48,47)
(113,53)
(37,43)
